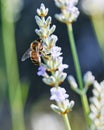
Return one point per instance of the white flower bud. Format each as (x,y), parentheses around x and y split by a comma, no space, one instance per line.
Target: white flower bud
(52,29)
(42,11)
(72,82)
(88,78)
(49,80)
(55,108)
(70,105)
(39,21)
(48,20)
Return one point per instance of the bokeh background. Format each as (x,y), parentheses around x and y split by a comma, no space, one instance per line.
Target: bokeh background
(36,107)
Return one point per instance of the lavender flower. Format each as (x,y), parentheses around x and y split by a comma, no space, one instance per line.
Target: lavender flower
(56,79)
(62,67)
(58,94)
(55,52)
(69,12)
(41,71)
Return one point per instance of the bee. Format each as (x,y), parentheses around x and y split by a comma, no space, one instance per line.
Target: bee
(34,52)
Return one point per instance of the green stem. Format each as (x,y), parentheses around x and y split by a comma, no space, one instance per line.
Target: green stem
(78,72)
(67,123)
(75,56)
(14,88)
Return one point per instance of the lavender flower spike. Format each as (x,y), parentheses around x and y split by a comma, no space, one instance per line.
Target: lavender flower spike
(97,106)
(69,12)
(52,67)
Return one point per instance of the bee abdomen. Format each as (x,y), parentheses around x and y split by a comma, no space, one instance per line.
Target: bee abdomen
(35,58)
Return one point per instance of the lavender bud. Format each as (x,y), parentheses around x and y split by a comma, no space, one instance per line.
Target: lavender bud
(42,12)
(52,29)
(55,108)
(48,20)
(49,80)
(70,105)
(88,79)
(72,82)
(39,21)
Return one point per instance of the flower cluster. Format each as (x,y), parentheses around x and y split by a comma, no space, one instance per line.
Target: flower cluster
(52,67)
(59,95)
(97,106)
(69,12)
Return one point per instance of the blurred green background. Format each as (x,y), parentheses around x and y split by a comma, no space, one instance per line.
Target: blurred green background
(24,99)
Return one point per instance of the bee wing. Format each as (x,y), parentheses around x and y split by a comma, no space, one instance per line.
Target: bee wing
(26,55)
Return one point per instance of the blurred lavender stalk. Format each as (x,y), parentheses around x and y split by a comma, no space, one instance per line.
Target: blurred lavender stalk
(14,88)
(97,106)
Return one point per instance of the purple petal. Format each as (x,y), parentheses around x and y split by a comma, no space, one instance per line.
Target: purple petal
(58,94)
(41,71)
